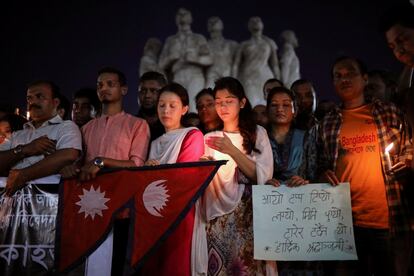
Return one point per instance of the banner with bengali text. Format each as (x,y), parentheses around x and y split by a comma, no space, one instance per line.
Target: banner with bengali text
(27,230)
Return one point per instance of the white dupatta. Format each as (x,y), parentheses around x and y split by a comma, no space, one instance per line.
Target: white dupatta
(224,192)
(166,148)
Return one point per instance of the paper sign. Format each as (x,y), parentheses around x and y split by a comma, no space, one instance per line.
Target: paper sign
(311,222)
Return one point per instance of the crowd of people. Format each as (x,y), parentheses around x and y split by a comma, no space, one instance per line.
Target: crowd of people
(289,139)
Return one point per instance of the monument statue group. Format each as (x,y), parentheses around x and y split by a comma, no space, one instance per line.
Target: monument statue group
(195,62)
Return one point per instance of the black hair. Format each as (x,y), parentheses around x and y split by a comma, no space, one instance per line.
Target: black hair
(281,90)
(300,82)
(155,76)
(188,117)
(401,13)
(16,122)
(361,65)
(247,126)
(6,108)
(177,89)
(121,76)
(90,94)
(272,80)
(65,105)
(205,91)
(53,87)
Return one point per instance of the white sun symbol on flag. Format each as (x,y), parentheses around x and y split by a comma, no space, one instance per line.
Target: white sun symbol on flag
(155,197)
(92,202)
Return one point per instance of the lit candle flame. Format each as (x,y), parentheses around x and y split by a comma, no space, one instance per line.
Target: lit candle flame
(388,157)
(389,147)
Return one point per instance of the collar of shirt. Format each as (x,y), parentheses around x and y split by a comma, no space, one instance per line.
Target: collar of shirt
(53,121)
(122,113)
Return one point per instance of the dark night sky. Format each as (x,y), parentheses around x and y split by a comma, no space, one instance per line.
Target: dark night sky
(68,41)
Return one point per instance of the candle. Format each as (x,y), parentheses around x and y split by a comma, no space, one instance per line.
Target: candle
(27,115)
(388,157)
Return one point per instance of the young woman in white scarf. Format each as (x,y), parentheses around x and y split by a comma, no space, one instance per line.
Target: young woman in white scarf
(179,144)
(227,201)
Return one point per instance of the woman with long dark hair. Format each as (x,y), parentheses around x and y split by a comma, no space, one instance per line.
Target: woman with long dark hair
(227,201)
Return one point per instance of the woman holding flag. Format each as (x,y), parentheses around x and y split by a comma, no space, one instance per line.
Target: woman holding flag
(176,256)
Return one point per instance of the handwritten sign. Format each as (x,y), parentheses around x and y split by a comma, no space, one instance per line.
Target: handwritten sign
(311,222)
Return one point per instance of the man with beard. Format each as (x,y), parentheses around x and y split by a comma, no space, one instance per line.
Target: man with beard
(149,85)
(45,144)
(123,142)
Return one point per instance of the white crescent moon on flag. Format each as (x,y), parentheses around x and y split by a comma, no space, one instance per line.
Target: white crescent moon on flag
(155,197)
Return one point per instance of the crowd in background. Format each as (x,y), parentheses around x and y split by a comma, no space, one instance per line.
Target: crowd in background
(294,139)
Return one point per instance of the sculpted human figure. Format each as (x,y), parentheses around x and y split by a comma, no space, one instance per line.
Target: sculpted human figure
(256,61)
(222,50)
(289,62)
(185,56)
(149,59)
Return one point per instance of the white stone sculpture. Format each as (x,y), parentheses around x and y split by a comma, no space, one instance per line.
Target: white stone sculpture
(185,56)
(289,61)
(256,61)
(222,50)
(149,59)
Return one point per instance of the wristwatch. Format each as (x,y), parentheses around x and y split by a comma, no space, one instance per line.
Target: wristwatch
(98,162)
(18,150)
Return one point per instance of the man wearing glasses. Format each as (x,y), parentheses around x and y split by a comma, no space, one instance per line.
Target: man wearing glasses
(149,85)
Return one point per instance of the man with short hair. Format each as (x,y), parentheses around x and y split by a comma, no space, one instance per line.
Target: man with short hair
(123,142)
(306,103)
(45,145)
(123,138)
(398,26)
(397,23)
(352,143)
(149,85)
(85,106)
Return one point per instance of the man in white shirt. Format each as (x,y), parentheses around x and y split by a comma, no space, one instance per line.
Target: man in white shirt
(46,143)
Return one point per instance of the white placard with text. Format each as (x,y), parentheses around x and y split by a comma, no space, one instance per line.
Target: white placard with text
(311,222)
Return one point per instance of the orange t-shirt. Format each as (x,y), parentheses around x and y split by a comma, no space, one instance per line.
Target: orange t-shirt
(359,163)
